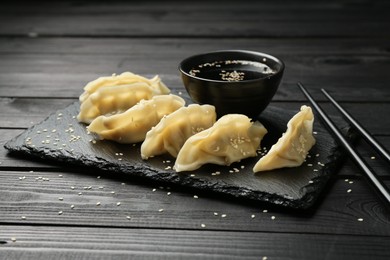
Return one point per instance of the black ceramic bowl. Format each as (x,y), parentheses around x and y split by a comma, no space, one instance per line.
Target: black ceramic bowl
(234,81)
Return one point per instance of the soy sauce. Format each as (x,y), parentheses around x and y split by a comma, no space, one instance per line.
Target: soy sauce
(232,70)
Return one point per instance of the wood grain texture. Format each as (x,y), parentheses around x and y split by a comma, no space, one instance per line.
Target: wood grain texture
(45,242)
(36,195)
(232,19)
(61,67)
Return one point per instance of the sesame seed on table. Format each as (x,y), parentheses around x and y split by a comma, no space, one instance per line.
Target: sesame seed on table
(51,210)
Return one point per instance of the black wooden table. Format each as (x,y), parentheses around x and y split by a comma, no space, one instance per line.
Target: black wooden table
(48,51)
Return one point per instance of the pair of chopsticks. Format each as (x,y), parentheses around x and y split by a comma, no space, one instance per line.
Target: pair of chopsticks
(378,184)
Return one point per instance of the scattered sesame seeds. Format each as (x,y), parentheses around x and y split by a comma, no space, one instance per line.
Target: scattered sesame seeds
(360,219)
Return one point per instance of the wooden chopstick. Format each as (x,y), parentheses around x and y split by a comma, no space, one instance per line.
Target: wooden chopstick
(378,184)
(370,139)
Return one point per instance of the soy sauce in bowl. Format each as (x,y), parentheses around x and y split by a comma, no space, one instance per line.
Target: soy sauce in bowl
(232,70)
(234,81)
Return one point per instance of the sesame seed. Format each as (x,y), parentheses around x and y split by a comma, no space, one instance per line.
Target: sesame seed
(264,258)
(253,216)
(196,197)
(265,211)
(168,193)
(112,192)
(80,193)
(23,217)
(60,212)
(223,216)
(118,203)
(315,170)
(349,190)
(13,239)
(98,203)
(128,217)
(311,182)
(154,190)
(192,175)
(61,198)
(273,217)
(346,180)
(123,183)
(203,225)
(72,187)
(360,219)
(350,182)
(60,175)
(215,213)
(160,210)
(372,157)
(72,206)
(98,177)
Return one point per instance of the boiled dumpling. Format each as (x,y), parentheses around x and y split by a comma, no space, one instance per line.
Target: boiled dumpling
(113,99)
(292,148)
(232,138)
(123,79)
(132,125)
(169,135)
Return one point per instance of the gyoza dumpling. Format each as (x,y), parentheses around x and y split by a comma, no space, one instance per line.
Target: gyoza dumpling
(123,79)
(172,131)
(232,138)
(132,125)
(292,148)
(113,99)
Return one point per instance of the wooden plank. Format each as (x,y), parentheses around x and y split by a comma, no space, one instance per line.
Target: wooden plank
(254,18)
(42,242)
(24,112)
(61,67)
(45,198)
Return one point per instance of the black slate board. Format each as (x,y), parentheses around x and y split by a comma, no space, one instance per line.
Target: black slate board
(62,139)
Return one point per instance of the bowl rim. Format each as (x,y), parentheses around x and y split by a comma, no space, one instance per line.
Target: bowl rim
(256,53)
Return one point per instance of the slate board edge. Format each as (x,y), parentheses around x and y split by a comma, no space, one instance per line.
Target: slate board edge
(144,171)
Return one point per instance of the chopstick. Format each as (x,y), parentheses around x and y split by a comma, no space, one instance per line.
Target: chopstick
(370,139)
(378,184)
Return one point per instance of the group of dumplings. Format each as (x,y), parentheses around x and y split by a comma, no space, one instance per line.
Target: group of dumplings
(129,108)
